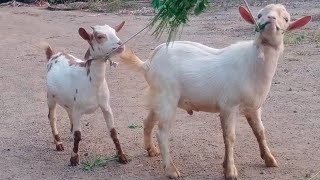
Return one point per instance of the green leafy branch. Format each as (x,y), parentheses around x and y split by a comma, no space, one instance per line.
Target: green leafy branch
(172,14)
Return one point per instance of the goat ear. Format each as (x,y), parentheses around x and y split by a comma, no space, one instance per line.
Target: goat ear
(299,23)
(84,34)
(245,15)
(119,27)
(87,55)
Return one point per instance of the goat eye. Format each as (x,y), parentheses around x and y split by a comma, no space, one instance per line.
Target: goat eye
(259,16)
(286,19)
(100,37)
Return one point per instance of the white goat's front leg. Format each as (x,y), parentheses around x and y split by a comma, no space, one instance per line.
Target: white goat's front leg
(148,125)
(74,160)
(70,118)
(53,122)
(108,116)
(228,124)
(254,120)
(165,116)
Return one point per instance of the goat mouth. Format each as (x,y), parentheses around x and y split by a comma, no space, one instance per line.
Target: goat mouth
(119,49)
(263,26)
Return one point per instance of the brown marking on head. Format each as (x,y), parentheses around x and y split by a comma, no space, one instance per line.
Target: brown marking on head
(113,134)
(100,37)
(77,139)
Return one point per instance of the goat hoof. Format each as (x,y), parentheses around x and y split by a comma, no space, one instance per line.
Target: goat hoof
(74,160)
(230,172)
(270,161)
(153,151)
(172,172)
(123,159)
(59,147)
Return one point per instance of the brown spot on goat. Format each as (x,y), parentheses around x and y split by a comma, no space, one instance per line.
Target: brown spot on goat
(87,55)
(88,71)
(77,139)
(49,52)
(56,57)
(49,67)
(122,157)
(100,37)
(57,138)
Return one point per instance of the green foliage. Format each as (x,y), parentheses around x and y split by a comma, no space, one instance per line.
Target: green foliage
(134,126)
(100,162)
(174,13)
(295,38)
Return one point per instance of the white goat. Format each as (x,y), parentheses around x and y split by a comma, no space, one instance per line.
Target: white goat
(80,86)
(234,79)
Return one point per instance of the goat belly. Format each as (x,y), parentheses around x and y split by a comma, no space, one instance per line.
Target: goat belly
(190,106)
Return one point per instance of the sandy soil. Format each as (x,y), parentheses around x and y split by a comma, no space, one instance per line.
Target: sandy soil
(27,151)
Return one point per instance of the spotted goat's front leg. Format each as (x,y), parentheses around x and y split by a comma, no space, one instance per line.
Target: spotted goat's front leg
(74,160)
(108,116)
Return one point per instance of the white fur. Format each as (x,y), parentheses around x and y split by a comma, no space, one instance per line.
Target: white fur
(195,77)
(78,86)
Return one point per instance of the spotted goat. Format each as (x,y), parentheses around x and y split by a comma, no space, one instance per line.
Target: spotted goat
(195,77)
(80,86)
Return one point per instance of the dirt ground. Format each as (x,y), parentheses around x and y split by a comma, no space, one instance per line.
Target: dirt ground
(290,113)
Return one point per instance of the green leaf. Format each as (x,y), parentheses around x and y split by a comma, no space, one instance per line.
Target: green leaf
(134,126)
(173,14)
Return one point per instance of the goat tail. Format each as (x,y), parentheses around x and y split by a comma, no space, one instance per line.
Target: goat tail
(47,48)
(129,58)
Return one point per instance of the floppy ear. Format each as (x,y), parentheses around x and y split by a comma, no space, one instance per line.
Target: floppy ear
(245,15)
(299,23)
(84,34)
(119,27)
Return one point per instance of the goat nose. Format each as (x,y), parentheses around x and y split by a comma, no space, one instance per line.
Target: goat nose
(271,17)
(119,43)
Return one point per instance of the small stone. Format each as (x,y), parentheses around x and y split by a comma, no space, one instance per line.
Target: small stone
(8,149)
(86,154)
(87,124)
(286,70)
(294,111)
(290,89)
(262,172)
